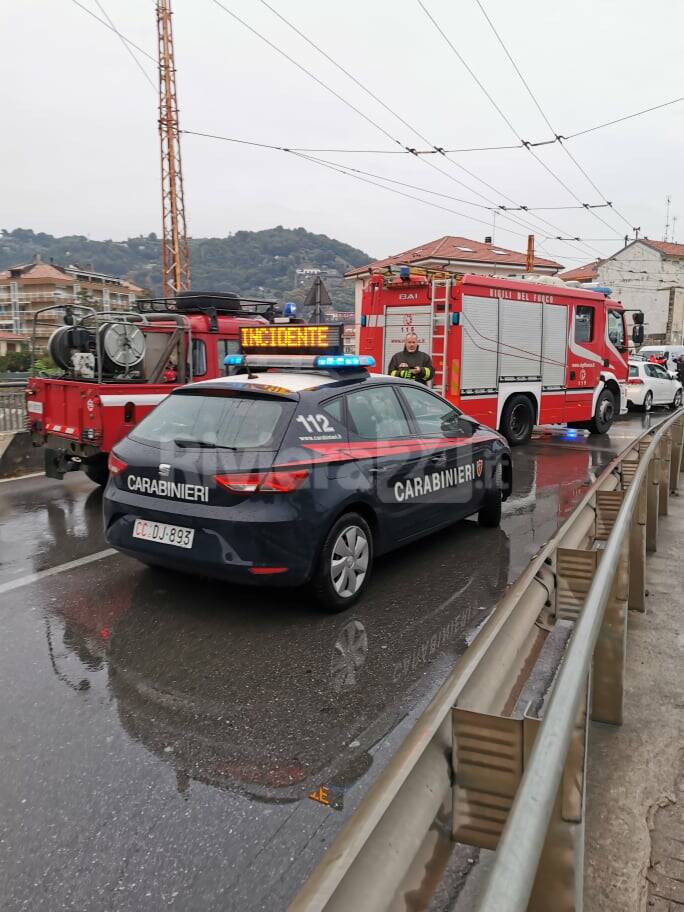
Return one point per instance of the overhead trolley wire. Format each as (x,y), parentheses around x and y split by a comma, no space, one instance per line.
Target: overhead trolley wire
(548,123)
(386,133)
(435,150)
(126,44)
(502,113)
(456,199)
(310,74)
(116,31)
(617,120)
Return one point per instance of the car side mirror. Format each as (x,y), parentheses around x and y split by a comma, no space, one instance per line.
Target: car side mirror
(458,427)
(638,333)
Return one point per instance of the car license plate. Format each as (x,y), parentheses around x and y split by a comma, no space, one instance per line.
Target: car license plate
(163,533)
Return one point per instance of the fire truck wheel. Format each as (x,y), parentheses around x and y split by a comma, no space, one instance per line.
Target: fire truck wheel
(517,420)
(490,511)
(604,414)
(97,470)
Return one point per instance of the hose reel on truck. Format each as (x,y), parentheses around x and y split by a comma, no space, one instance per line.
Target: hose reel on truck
(121,346)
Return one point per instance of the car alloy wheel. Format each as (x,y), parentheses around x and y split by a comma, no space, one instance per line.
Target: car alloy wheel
(677,399)
(349,561)
(648,402)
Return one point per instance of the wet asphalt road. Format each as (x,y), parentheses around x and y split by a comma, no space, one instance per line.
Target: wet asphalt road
(160,735)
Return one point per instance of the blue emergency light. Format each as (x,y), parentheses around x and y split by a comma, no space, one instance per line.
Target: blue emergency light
(344,361)
(305,362)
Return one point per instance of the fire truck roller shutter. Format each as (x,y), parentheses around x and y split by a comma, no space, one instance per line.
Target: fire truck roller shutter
(520,346)
(479,357)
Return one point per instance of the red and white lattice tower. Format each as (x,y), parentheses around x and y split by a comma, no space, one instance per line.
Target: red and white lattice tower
(175,255)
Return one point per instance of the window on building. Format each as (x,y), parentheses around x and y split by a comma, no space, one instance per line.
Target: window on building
(584,323)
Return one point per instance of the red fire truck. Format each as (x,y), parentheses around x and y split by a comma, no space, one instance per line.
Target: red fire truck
(510,352)
(117,366)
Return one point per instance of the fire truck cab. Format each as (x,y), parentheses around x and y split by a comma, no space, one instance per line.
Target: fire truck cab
(116,367)
(510,352)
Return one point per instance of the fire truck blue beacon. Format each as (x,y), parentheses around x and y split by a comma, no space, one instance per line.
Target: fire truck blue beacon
(299,468)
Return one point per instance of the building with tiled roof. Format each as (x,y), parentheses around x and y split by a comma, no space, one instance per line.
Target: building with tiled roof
(12,342)
(582,274)
(29,287)
(459,254)
(648,275)
(453,254)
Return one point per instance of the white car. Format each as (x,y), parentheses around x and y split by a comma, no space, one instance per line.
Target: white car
(650,384)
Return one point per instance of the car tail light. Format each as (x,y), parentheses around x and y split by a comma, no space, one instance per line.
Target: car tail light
(269,482)
(635,381)
(115,465)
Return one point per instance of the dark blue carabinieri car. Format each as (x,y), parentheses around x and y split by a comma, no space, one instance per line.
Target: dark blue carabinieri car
(299,470)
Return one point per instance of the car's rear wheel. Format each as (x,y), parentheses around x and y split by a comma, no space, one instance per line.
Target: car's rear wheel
(677,401)
(97,470)
(604,413)
(344,564)
(648,402)
(517,420)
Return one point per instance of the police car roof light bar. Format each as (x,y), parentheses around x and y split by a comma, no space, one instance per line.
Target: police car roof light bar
(305,362)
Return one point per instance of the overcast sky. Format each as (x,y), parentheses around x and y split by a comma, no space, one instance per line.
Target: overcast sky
(80,151)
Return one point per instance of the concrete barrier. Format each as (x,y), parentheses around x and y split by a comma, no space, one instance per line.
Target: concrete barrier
(17,456)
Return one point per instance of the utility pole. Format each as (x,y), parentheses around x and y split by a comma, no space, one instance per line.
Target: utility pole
(175,255)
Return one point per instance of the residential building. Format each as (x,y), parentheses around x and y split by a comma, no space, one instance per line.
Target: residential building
(26,289)
(453,254)
(11,342)
(645,275)
(583,274)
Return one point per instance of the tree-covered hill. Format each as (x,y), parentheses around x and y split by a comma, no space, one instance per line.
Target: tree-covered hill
(256,263)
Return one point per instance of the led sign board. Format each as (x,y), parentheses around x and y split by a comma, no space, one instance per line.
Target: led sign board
(292,338)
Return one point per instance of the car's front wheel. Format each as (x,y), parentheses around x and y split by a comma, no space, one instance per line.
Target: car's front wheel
(489,514)
(345,563)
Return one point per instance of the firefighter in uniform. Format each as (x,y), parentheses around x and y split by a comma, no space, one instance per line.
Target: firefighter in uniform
(411,363)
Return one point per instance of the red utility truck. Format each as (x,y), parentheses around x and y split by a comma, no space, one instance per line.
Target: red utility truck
(117,366)
(510,352)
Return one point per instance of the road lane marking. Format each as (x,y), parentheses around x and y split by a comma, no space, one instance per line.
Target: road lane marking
(21,477)
(53,571)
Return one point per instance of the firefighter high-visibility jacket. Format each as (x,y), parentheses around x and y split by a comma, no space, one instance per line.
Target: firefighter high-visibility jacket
(412,359)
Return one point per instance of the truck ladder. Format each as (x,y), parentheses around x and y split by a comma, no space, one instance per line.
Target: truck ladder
(440,294)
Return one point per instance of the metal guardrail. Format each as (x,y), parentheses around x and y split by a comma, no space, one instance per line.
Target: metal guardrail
(12,410)
(516,784)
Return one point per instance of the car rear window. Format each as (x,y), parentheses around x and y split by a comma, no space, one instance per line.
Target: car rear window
(633,370)
(237,421)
